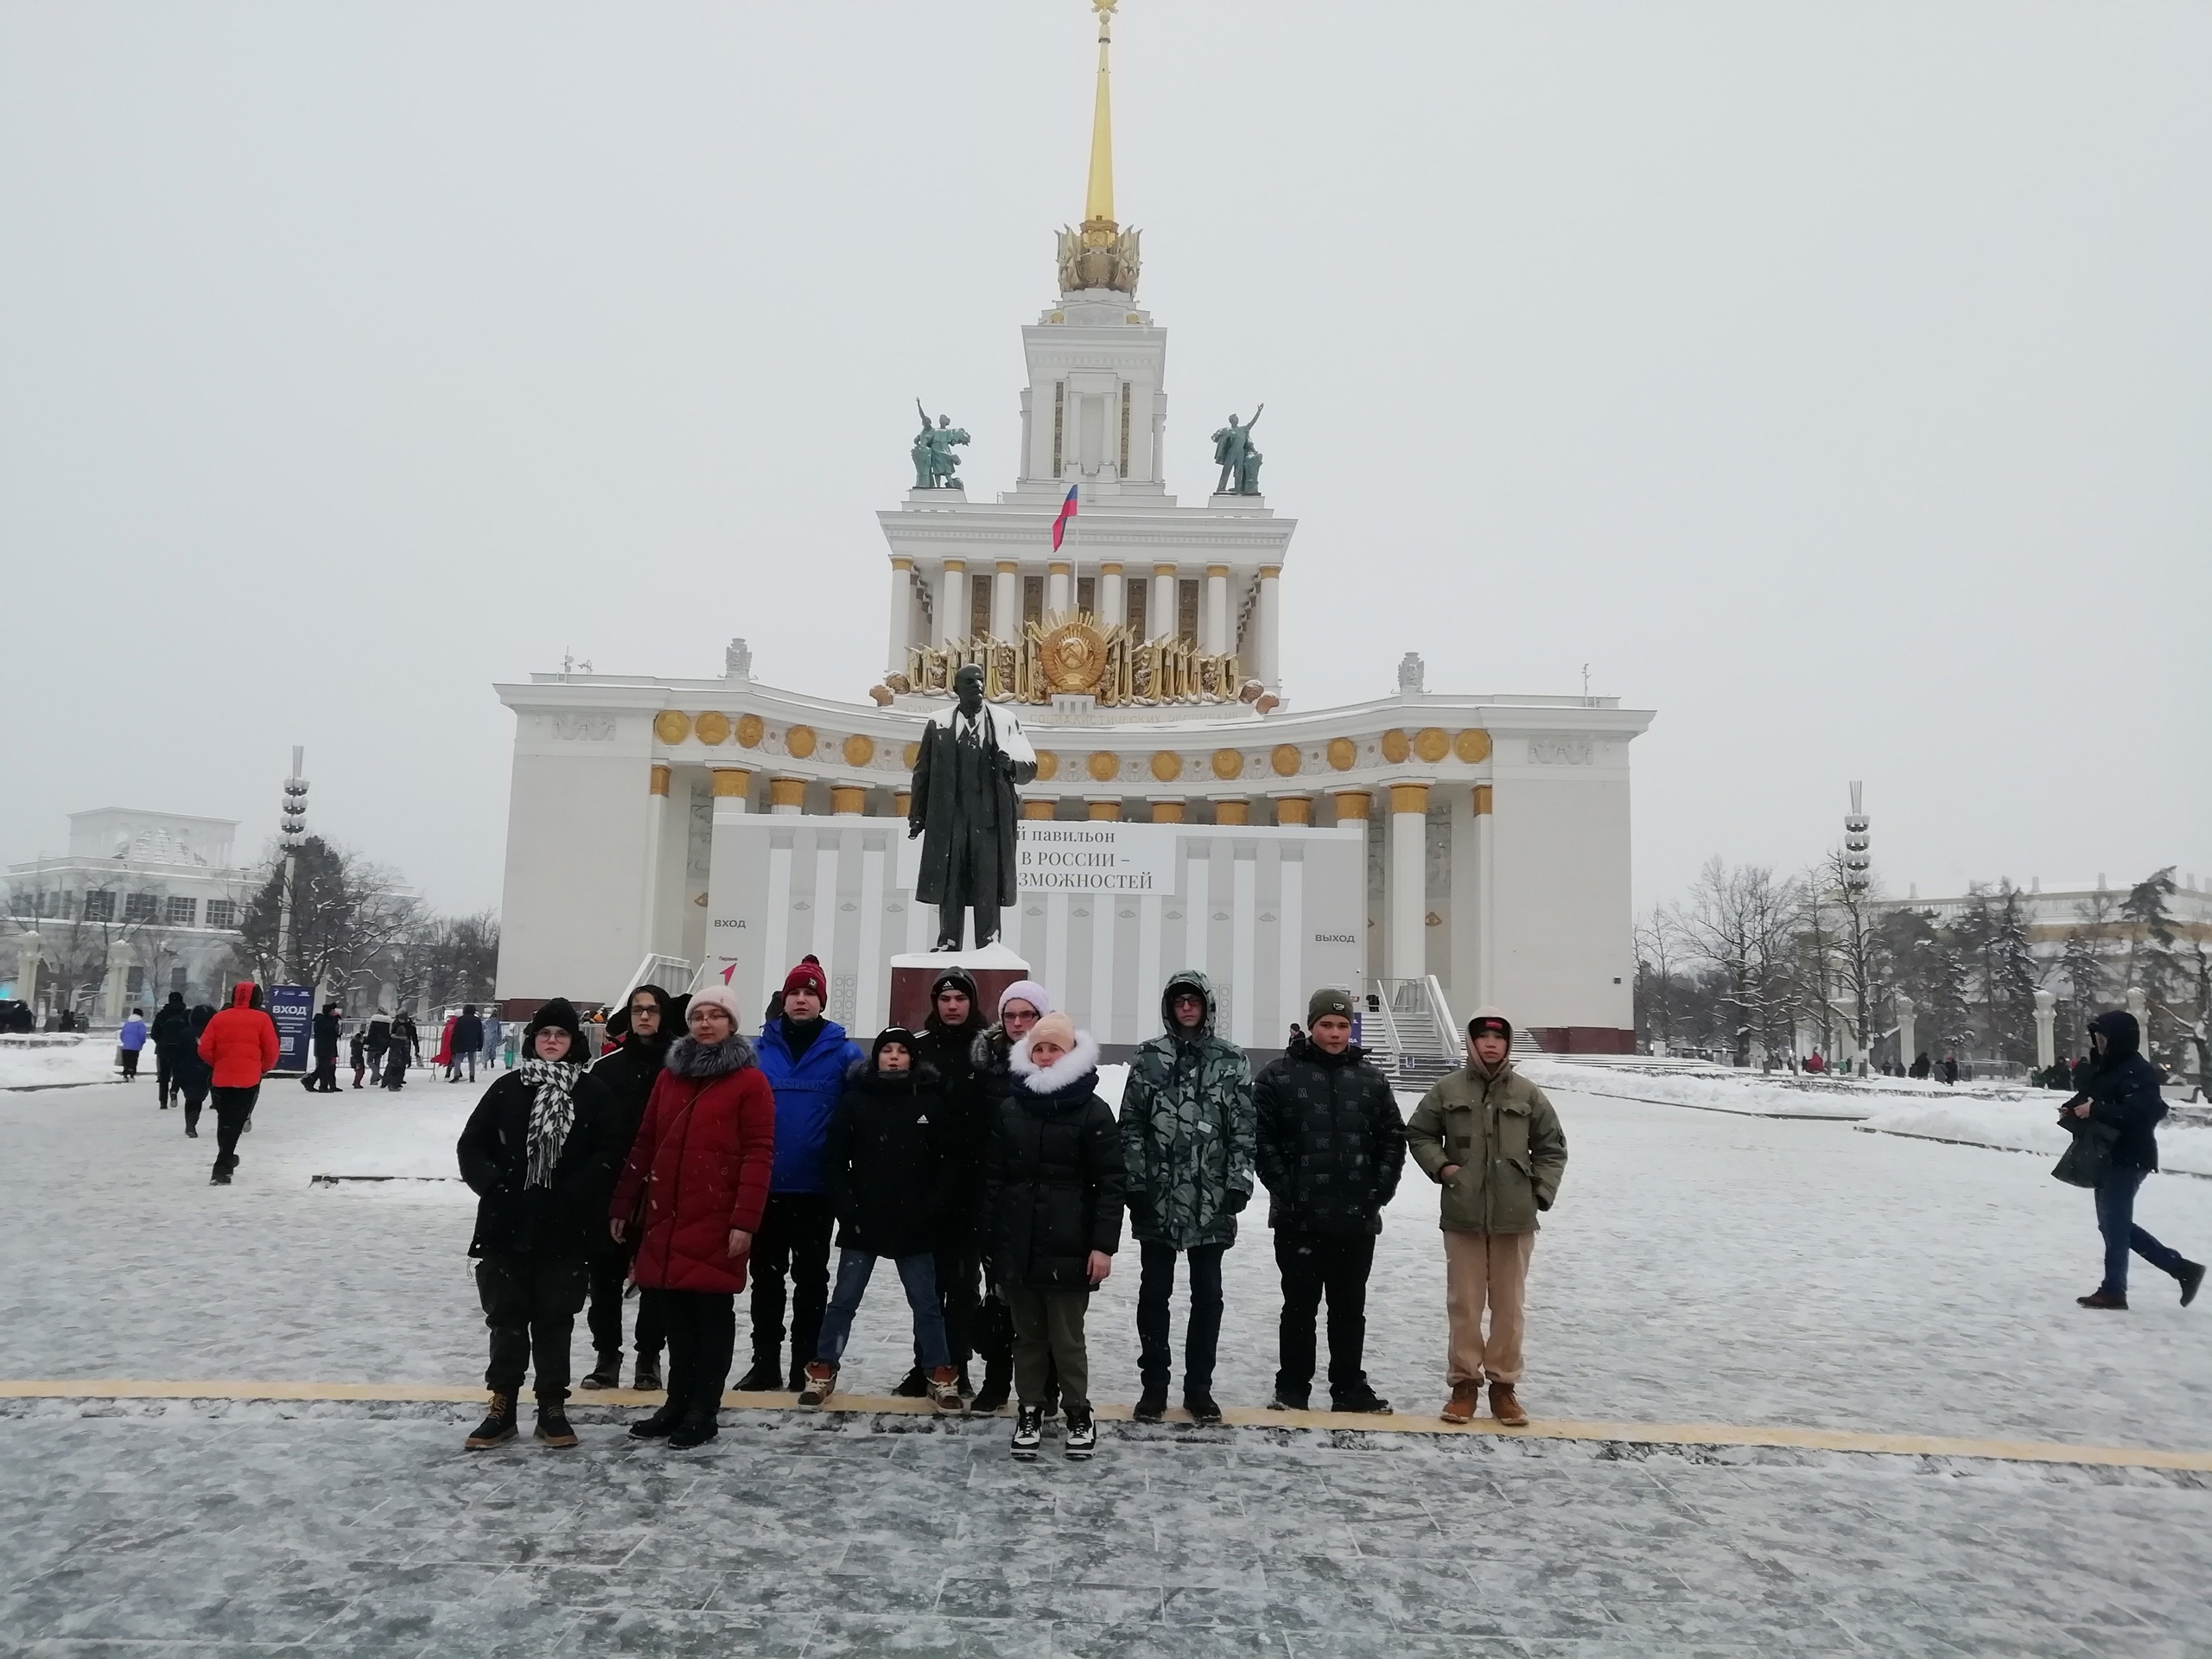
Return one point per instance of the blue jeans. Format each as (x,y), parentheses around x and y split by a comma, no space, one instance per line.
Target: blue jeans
(917,1273)
(2116,1221)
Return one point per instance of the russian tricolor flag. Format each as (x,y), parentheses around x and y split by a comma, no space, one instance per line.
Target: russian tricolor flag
(1067,512)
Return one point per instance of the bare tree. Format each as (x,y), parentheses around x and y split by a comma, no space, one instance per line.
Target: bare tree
(78,932)
(1742,923)
(347,916)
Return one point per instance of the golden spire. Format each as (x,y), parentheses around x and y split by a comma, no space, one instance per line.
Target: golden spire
(1098,202)
(1100,254)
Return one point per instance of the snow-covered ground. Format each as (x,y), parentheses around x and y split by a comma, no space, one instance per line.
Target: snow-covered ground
(44,1062)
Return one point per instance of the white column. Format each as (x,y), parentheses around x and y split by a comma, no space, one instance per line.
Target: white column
(2046,1038)
(656,824)
(726,861)
(1197,901)
(1485,896)
(1111,612)
(116,1009)
(1265,665)
(1102,906)
(1291,989)
(1006,601)
(775,957)
(1055,950)
(1243,948)
(1162,618)
(2139,1006)
(1059,596)
(1907,1050)
(826,851)
(951,621)
(1213,618)
(1148,963)
(1405,882)
(902,612)
(869,997)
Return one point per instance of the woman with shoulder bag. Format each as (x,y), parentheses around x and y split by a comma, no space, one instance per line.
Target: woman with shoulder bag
(2121,1100)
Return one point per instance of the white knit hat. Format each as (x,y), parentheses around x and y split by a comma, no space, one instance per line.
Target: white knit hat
(1026,990)
(717,996)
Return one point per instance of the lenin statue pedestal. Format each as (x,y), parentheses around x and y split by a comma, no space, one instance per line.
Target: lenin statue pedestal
(993,968)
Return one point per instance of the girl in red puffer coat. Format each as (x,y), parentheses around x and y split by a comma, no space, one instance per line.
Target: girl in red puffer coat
(695,1186)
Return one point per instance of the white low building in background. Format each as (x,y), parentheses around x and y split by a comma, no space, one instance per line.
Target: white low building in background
(141,904)
(1442,849)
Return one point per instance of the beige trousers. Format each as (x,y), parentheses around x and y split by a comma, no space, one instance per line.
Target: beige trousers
(1481,1267)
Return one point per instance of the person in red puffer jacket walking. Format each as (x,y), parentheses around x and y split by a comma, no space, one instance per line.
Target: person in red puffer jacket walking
(695,1186)
(239,1047)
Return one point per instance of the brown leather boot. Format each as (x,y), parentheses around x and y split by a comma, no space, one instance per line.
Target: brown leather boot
(1505,1408)
(1465,1397)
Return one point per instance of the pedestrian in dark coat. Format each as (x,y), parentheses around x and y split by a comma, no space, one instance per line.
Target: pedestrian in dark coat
(1053,1189)
(628,1074)
(805,1059)
(1330,1146)
(888,1166)
(2121,1094)
(466,1042)
(1186,1132)
(240,1048)
(536,1154)
(357,1058)
(324,1035)
(194,1077)
(376,1042)
(947,1042)
(697,1183)
(172,1034)
(990,1081)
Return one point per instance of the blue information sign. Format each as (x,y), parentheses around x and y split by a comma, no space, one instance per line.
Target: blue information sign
(292,1007)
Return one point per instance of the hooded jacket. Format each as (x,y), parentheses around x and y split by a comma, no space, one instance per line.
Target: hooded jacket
(629,1072)
(1329,1143)
(1186,1129)
(891,1163)
(239,1045)
(699,1168)
(806,1089)
(2123,1091)
(171,1027)
(1498,1134)
(326,1029)
(194,1076)
(564,1218)
(1054,1176)
(132,1034)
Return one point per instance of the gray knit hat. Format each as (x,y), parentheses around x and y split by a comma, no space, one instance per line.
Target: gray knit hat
(1328,999)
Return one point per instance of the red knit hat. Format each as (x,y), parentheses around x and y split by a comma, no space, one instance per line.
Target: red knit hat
(807,976)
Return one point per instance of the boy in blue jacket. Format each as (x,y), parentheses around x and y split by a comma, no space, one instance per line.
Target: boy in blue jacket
(805,1058)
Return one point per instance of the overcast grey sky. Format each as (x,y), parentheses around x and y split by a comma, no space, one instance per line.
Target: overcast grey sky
(1835,380)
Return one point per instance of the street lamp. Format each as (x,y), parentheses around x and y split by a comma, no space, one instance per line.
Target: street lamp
(293,836)
(1857,865)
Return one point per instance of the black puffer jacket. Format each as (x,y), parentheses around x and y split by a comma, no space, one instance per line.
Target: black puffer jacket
(1331,1144)
(2123,1091)
(890,1161)
(567,1217)
(950,1051)
(628,1074)
(1054,1178)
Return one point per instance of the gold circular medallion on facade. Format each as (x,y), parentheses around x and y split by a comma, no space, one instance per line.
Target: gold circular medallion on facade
(1342,752)
(1048,765)
(1166,766)
(911,753)
(798,742)
(1074,657)
(1473,746)
(1395,746)
(1102,767)
(671,726)
(1228,764)
(1286,760)
(859,750)
(750,730)
(1431,743)
(713,726)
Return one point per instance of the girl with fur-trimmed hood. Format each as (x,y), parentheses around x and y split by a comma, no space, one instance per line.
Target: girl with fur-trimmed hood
(1052,1185)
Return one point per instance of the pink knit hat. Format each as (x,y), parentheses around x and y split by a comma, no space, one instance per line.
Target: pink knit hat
(1055,1028)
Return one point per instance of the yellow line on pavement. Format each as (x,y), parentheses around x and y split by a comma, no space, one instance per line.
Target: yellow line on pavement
(1713,1434)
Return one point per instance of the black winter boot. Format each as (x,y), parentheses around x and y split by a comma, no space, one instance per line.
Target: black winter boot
(912,1386)
(660,1424)
(696,1429)
(553,1426)
(2191,1275)
(764,1377)
(648,1380)
(497,1427)
(1200,1404)
(1151,1405)
(998,1386)
(608,1374)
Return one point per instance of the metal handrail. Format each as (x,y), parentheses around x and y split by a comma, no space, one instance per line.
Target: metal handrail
(649,971)
(1446,1022)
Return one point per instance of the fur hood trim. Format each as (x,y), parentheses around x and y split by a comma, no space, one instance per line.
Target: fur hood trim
(687,1058)
(1070,1068)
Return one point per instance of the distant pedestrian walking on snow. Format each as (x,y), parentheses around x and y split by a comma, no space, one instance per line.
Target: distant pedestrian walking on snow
(400,1054)
(193,1075)
(495,1034)
(1490,1138)
(536,1155)
(172,1034)
(1330,1146)
(466,1042)
(1186,1137)
(696,1179)
(240,1048)
(374,1045)
(323,1080)
(129,1041)
(358,1058)
(2120,1103)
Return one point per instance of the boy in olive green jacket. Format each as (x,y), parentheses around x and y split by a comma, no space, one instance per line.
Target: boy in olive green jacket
(1490,1139)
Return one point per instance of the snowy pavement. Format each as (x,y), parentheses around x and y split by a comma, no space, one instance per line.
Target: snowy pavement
(58,1062)
(1700,1268)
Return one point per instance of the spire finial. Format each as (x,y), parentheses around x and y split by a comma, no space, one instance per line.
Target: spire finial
(1098,200)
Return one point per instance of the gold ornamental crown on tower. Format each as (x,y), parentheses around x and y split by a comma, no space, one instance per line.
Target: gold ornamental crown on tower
(1100,253)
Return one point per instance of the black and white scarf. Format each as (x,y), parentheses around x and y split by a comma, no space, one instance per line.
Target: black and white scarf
(552,1114)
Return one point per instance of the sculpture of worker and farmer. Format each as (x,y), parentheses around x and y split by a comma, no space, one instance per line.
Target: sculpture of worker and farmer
(934,461)
(1239,462)
(964,807)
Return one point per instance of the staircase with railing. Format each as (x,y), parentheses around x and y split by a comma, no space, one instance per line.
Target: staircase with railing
(1409,1032)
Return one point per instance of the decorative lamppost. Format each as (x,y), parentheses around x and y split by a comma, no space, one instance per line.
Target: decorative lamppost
(1858,876)
(294,835)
